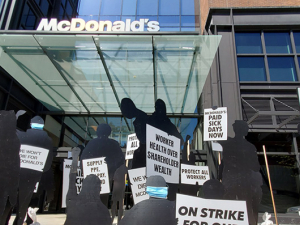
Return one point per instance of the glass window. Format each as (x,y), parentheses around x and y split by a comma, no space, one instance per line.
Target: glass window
(168,7)
(251,69)
(188,21)
(111,7)
(169,21)
(188,29)
(129,7)
(187,7)
(278,42)
(151,18)
(45,7)
(169,29)
(297,41)
(146,7)
(248,43)
(61,12)
(124,18)
(89,7)
(63,2)
(110,18)
(282,69)
(69,9)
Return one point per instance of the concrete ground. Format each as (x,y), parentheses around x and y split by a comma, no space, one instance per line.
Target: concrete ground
(59,219)
(50,219)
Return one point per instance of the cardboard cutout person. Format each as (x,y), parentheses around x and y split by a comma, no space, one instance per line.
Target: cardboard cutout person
(38,138)
(102,146)
(118,192)
(241,177)
(159,120)
(9,162)
(86,207)
(213,189)
(156,210)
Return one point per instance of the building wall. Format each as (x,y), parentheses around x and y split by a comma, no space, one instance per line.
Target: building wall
(205,5)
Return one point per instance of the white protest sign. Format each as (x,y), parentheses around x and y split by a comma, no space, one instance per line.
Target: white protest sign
(98,167)
(198,211)
(191,174)
(215,124)
(138,179)
(162,155)
(133,144)
(32,157)
(216,147)
(66,180)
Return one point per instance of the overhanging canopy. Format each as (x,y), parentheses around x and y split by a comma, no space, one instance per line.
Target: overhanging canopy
(93,73)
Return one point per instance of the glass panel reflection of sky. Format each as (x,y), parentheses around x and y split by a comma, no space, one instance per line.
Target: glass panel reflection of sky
(115,10)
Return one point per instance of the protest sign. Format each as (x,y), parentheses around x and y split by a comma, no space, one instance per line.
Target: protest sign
(98,167)
(133,144)
(33,158)
(216,147)
(191,174)
(162,155)
(138,179)
(215,124)
(66,174)
(198,211)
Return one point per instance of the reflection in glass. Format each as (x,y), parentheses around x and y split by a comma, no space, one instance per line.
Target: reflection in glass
(88,7)
(110,18)
(282,69)
(188,29)
(169,29)
(187,7)
(251,69)
(297,41)
(168,7)
(278,42)
(248,43)
(146,7)
(169,21)
(124,18)
(111,7)
(129,7)
(188,21)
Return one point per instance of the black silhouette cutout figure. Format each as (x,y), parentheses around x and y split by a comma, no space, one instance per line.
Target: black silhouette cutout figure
(86,207)
(241,177)
(9,162)
(102,146)
(28,177)
(213,189)
(159,120)
(153,211)
(118,192)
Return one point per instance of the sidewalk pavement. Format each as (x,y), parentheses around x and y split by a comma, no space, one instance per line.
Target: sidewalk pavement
(51,219)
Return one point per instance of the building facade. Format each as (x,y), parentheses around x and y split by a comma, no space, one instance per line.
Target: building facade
(254,74)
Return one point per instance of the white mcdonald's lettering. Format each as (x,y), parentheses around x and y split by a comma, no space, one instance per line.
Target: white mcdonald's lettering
(78,24)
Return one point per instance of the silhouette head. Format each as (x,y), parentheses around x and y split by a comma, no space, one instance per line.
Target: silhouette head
(156,181)
(37,123)
(213,189)
(37,119)
(103,130)
(160,107)
(128,108)
(240,128)
(91,187)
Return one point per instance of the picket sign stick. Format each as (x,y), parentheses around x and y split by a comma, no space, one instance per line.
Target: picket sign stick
(188,150)
(219,158)
(267,166)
